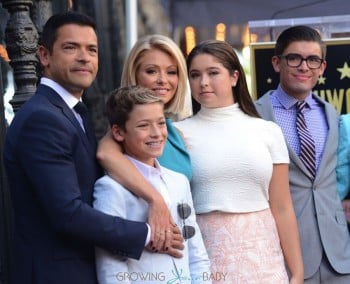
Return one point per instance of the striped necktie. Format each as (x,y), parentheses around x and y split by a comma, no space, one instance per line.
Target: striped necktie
(307,143)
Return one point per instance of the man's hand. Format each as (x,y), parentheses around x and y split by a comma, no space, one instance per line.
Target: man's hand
(173,242)
(160,220)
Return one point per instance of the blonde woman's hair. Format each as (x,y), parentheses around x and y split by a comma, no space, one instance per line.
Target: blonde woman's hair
(167,45)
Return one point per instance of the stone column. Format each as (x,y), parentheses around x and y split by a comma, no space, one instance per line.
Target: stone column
(21,39)
(5,203)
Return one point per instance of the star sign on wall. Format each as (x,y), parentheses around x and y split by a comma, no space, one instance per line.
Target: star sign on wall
(322,80)
(345,71)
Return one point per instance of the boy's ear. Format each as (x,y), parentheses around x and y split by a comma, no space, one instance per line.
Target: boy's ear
(276,63)
(117,133)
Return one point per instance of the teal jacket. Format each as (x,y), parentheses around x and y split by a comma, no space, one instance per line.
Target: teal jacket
(343,154)
(175,157)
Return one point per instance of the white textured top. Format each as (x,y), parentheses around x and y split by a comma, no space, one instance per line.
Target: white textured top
(232,157)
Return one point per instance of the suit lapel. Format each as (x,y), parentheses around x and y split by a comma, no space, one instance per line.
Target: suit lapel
(69,114)
(57,101)
(264,107)
(332,132)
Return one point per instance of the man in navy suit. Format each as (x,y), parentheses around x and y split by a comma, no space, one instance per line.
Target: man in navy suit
(52,168)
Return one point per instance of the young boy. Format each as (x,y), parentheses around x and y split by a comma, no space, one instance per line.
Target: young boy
(137,120)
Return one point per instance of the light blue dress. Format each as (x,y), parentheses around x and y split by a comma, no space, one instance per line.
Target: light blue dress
(175,157)
(343,155)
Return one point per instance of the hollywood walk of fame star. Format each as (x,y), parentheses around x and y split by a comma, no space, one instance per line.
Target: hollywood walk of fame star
(322,80)
(345,71)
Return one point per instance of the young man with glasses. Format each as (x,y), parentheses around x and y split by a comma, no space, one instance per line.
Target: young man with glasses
(310,127)
(137,120)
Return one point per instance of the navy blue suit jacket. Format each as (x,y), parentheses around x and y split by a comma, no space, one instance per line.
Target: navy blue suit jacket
(51,168)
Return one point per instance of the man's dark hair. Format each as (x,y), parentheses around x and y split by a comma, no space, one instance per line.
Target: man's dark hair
(49,33)
(298,33)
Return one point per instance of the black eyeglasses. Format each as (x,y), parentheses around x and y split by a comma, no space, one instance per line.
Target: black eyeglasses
(295,60)
(184,211)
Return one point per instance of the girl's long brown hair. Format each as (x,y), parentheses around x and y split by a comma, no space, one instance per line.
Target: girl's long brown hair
(226,55)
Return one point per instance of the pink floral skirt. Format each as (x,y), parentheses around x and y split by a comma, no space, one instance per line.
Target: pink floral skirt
(243,247)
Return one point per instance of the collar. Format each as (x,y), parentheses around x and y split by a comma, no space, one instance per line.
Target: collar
(153,175)
(147,170)
(68,98)
(288,101)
